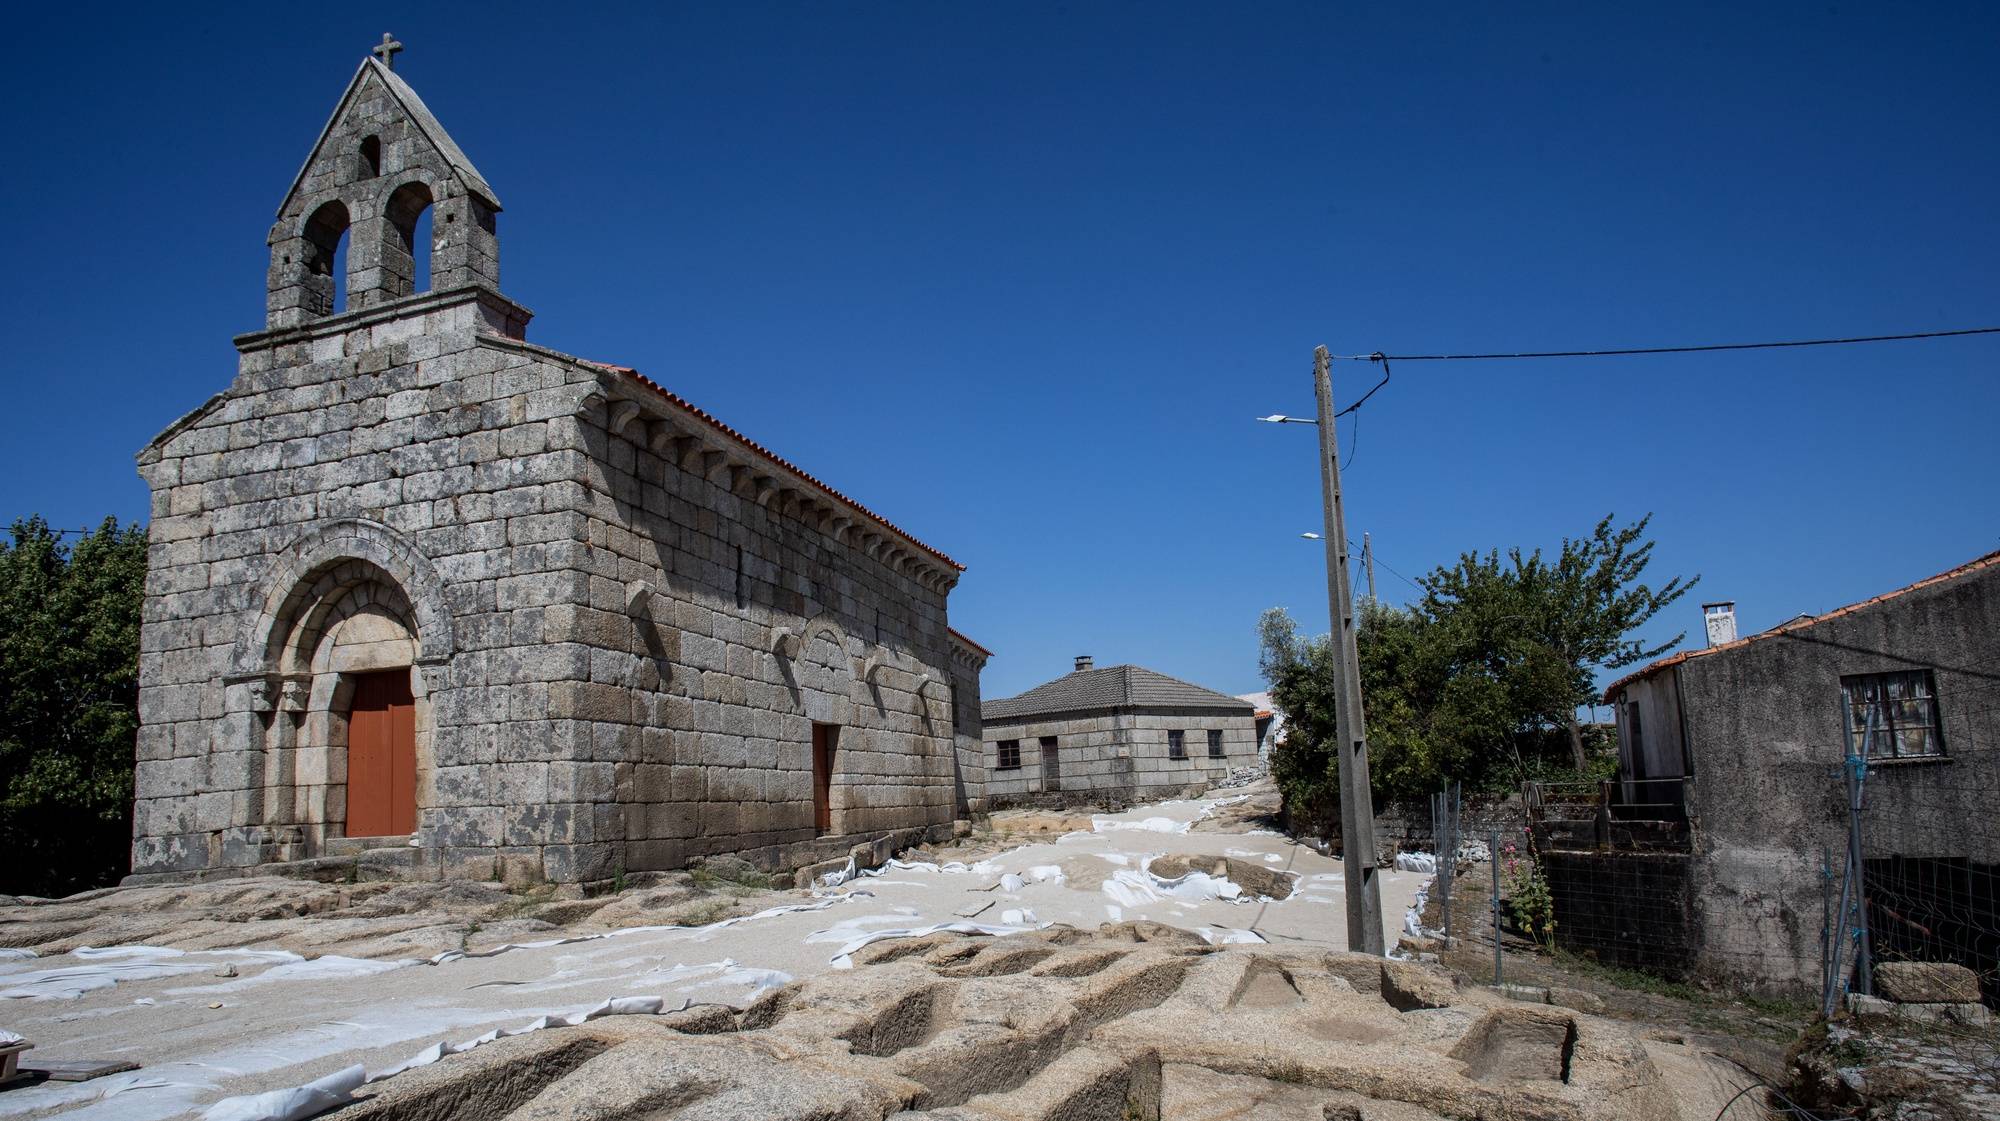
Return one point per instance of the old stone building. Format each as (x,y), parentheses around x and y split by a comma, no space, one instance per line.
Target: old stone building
(1122,734)
(1721,843)
(424,591)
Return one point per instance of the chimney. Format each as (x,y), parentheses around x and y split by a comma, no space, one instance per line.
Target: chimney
(1721,620)
(1084,662)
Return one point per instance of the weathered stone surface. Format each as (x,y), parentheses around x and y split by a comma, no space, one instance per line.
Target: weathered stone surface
(1926,982)
(1517,1043)
(1154,1034)
(1407,985)
(383,919)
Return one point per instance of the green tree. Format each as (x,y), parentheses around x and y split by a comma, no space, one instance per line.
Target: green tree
(1480,680)
(69,656)
(1543,628)
(1304,688)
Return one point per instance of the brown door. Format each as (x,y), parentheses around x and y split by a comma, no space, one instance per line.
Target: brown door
(825,736)
(1051,767)
(382,757)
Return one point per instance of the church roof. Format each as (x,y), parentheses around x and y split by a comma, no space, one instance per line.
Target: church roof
(420,115)
(1112,687)
(714,422)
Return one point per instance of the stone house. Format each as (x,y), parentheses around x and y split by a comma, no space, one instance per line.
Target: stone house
(1121,734)
(1740,747)
(430,596)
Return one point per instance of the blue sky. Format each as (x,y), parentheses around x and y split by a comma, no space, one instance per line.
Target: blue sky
(1019,276)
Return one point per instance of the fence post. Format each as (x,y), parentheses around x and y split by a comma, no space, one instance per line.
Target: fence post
(1857,773)
(1825,916)
(1493,859)
(1447,857)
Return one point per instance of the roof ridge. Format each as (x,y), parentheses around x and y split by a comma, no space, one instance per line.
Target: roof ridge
(722,426)
(1801,623)
(1126,685)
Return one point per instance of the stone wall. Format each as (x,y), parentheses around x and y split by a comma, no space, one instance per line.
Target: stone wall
(720,629)
(1121,755)
(966,662)
(1407,826)
(391,451)
(618,660)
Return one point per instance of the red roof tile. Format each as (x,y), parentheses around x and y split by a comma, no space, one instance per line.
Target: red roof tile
(957,635)
(1796,625)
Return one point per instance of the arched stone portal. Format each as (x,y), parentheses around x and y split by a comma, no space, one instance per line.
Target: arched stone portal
(335,662)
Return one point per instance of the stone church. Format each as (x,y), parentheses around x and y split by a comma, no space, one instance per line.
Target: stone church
(426,596)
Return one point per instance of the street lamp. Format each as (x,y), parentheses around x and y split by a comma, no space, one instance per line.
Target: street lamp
(1310,536)
(1357,810)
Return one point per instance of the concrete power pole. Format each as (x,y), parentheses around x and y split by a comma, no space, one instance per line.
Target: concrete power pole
(1357,810)
(1368,565)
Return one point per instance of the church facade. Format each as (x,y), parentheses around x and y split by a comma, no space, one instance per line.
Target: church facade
(428,596)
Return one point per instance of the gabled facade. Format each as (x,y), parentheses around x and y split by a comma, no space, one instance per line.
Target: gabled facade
(1121,734)
(423,590)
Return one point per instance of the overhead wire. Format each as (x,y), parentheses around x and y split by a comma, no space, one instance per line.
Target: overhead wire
(1702,348)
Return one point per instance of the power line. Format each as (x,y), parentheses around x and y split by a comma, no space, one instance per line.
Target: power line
(1385,564)
(1378,356)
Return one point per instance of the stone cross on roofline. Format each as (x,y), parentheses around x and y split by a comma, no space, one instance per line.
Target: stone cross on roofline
(387,50)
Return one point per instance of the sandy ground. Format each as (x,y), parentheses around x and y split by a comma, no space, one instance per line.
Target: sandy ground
(281,1021)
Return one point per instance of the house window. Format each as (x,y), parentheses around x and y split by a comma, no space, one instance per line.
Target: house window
(1892,715)
(1214,743)
(1176,744)
(1010,755)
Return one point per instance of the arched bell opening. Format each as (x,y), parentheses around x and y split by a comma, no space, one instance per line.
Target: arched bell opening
(322,264)
(406,252)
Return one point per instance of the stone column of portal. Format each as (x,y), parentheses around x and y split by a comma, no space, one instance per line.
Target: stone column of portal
(231,807)
(280,818)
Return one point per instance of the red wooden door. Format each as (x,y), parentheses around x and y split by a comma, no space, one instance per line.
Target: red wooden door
(825,736)
(382,757)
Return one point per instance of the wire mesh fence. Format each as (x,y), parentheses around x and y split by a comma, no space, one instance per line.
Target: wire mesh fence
(1922,862)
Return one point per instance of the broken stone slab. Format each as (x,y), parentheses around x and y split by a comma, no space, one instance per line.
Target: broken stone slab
(1969,1014)
(1579,999)
(1407,986)
(1362,971)
(1256,879)
(1145,930)
(1926,982)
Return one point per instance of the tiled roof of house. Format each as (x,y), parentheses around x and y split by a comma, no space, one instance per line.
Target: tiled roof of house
(1801,623)
(1111,687)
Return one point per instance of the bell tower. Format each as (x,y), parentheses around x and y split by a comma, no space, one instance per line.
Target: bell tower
(380,164)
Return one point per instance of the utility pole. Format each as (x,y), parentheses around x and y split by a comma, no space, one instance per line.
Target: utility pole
(1368,565)
(1357,810)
